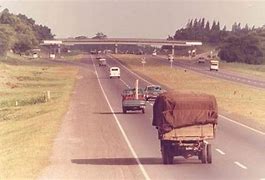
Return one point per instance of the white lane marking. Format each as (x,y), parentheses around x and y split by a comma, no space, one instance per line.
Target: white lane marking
(240,165)
(245,126)
(120,127)
(131,71)
(125,83)
(255,130)
(220,151)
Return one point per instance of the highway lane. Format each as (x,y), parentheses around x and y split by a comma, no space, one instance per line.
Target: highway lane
(223,74)
(237,151)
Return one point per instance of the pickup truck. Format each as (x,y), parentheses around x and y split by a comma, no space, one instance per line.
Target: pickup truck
(132,100)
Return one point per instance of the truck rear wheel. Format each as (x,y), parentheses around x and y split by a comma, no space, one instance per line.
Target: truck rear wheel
(203,155)
(124,110)
(167,156)
(209,153)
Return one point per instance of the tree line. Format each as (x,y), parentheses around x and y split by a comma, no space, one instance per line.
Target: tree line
(240,44)
(20,33)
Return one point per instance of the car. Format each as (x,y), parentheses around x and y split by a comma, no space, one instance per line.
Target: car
(102,62)
(152,91)
(114,72)
(201,60)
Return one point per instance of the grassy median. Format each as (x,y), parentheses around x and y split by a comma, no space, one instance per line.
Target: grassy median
(29,119)
(239,101)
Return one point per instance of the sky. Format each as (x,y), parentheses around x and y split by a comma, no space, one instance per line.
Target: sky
(134,18)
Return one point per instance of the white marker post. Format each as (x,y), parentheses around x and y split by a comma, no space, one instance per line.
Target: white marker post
(143,61)
(171,61)
(136,88)
(48,95)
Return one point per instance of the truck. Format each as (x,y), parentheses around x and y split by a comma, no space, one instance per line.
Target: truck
(214,65)
(133,100)
(184,122)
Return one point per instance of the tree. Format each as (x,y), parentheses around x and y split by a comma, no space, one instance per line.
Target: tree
(203,24)
(244,48)
(207,26)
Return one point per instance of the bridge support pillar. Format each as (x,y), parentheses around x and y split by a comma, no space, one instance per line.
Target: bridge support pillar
(59,49)
(116,49)
(173,50)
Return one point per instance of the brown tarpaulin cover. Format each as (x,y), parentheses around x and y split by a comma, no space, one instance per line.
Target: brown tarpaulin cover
(182,109)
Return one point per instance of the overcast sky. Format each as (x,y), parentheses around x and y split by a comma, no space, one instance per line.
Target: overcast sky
(133,18)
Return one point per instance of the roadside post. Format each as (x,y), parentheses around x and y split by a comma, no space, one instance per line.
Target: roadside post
(136,88)
(171,62)
(143,61)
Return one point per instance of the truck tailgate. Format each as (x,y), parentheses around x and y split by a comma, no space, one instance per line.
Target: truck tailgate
(196,132)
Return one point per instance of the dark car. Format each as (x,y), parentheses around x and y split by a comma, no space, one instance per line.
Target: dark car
(201,60)
(152,91)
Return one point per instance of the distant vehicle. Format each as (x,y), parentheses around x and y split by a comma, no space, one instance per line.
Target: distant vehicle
(201,60)
(214,65)
(154,53)
(184,122)
(152,91)
(93,52)
(102,62)
(114,72)
(130,101)
(35,56)
(52,56)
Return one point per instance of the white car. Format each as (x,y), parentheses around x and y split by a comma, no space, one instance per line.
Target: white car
(114,72)
(102,62)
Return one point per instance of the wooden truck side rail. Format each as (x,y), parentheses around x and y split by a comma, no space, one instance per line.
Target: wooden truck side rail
(196,132)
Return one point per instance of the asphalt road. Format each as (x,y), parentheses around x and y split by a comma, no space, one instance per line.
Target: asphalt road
(223,74)
(238,150)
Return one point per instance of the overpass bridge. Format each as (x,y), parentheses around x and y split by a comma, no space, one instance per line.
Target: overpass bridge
(119,41)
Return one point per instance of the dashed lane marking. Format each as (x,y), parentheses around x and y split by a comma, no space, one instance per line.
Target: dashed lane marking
(125,83)
(220,151)
(130,71)
(240,165)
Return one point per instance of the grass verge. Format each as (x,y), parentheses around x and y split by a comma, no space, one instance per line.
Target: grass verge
(234,99)
(245,69)
(28,120)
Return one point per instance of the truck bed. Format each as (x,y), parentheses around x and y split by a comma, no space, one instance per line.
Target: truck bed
(196,132)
